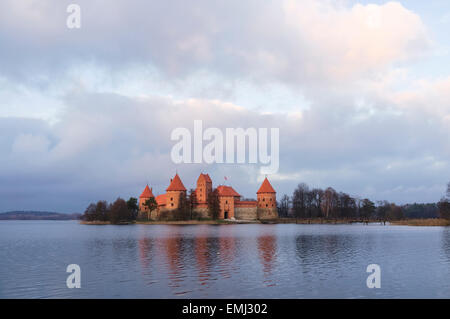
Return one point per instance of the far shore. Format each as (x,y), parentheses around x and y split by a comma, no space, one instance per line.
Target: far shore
(404,222)
(422,222)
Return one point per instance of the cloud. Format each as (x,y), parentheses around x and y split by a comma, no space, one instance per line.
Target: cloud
(308,43)
(116,147)
(106,97)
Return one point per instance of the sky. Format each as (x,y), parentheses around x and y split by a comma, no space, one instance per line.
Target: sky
(360,91)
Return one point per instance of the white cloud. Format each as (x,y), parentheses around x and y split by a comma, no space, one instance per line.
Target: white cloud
(306,43)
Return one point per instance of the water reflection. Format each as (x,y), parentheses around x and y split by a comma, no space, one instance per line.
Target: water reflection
(267,247)
(146,257)
(227,252)
(325,250)
(229,261)
(173,249)
(446,243)
(203,259)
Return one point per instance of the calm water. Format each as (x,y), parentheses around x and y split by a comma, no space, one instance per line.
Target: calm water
(228,261)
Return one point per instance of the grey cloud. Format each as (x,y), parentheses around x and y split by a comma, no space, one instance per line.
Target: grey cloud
(107,145)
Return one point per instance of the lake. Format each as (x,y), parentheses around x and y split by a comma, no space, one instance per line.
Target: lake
(222,261)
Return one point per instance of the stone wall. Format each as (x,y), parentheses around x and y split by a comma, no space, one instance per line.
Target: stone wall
(267,213)
(145,215)
(249,213)
(201,212)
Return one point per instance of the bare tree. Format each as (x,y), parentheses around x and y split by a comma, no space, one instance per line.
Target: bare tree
(283,207)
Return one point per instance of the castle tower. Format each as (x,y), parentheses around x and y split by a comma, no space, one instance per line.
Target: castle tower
(227,200)
(146,195)
(175,193)
(267,201)
(204,188)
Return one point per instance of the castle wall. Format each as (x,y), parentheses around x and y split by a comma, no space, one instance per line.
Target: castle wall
(173,199)
(202,212)
(226,204)
(146,215)
(246,212)
(267,201)
(267,213)
(142,207)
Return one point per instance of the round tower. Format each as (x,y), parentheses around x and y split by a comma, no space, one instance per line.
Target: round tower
(175,193)
(145,196)
(267,201)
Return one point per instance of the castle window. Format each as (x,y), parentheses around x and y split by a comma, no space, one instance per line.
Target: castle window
(271,199)
(264,199)
(171,198)
(226,202)
(267,205)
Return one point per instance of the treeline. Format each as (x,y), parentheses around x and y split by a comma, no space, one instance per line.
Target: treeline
(330,204)
(120,211)
(307,202)
(444,204)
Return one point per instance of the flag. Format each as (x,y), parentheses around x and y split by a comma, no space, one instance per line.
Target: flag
(225,178)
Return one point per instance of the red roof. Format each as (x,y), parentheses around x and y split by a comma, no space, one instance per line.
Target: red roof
(204,177)
(227,191)
(176,184)
(265,187)
(161,199)
(147,193)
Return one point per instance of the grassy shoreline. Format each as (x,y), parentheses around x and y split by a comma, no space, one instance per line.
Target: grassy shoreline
(422,222)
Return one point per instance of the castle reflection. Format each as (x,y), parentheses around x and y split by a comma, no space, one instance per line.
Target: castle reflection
(267,247)
(198,262)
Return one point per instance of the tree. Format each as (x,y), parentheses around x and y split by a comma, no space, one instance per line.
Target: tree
(367,209)
(416,210)
(330,201)
(444,208)
(383,209)
(316,204)
(119,212)
(150,205)
(89,214)
(183,212)
(133,206)
(448,191)
(283,207)
(192,201)
(102,211)
(97,212)
(346,206)
(214,204)
(444,205)
(395,212)
(299,200)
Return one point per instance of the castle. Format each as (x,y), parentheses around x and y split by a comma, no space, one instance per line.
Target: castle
(229,201)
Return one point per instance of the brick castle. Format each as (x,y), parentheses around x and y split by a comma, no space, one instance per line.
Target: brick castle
(230,204)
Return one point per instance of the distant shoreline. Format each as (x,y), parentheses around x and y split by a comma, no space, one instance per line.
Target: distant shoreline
(38,215)
(316,221)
